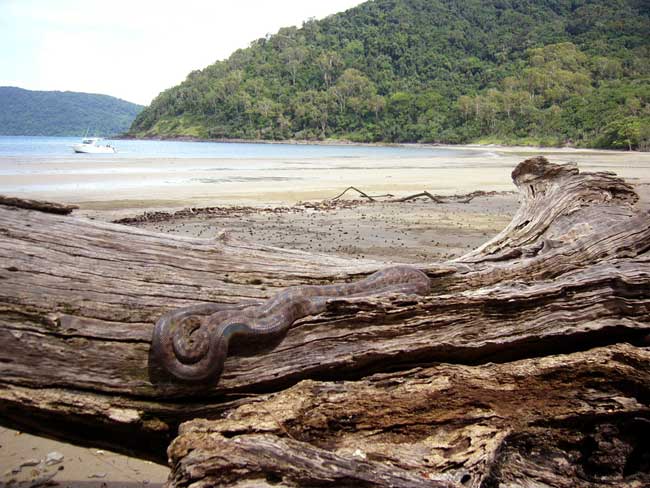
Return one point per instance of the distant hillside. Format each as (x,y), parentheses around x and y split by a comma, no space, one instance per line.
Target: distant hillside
(55,113)
(452,71)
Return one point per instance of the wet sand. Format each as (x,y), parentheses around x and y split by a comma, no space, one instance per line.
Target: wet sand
(263,209)
(407,232)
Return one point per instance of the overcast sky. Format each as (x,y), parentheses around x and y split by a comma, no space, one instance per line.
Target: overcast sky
(134,49)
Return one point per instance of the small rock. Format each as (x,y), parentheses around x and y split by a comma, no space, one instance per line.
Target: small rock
(54,458)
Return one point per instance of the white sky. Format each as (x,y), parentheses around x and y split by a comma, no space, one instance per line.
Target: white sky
(134,49)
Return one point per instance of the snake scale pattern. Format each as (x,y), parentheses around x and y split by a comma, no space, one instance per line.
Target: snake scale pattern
(191,343)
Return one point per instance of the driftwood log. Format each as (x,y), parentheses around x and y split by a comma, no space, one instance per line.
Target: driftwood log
(527,364)
(51,207)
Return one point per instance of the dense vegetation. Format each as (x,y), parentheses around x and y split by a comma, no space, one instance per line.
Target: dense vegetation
(451,71)
(55,113)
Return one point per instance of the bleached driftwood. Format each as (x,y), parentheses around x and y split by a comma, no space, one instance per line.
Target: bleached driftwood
(377,391)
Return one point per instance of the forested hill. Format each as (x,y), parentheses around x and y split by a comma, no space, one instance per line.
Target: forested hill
(55,113)
(450,71)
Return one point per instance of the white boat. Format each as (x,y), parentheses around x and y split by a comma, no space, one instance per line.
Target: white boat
(92,145)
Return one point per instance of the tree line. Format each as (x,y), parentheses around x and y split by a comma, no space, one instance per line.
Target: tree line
(548,72)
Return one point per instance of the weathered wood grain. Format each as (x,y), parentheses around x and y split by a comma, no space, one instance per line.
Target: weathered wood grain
(569,420)
(78,300)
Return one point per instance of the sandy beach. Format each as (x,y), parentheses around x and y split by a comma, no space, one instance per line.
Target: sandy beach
(281,204)
(137,184)
(30,461)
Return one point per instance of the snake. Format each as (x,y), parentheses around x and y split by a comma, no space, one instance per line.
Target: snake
(191,343)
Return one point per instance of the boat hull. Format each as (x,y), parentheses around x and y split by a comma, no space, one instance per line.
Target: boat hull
(91,149)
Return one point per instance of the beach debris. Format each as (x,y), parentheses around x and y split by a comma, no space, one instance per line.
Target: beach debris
(97,475)
(27,463)
(466,198)
(53,458)
(36,477)
(231,211)
(335,203)
(425,193)
(363,194)
(40,205)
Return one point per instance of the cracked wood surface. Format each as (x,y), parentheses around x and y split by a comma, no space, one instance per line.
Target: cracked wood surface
(78,300)
(569,420)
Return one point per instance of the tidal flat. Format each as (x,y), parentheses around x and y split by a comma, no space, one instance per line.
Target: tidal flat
(125,184)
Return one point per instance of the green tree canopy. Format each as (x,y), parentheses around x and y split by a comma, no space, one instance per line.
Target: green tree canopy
(549,71)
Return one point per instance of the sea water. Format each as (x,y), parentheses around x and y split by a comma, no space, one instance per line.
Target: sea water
(62,147)
(37,165)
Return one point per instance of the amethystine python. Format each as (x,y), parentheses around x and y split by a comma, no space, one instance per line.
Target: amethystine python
(191,343)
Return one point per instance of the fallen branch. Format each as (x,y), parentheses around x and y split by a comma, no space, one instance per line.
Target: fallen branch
(435,198)
(363,194)
(418,195)
(40,205)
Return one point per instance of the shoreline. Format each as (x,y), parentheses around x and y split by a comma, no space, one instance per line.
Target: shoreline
(346,142)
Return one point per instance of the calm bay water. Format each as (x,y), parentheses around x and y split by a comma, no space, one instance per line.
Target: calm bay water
(48,168)
(61,147)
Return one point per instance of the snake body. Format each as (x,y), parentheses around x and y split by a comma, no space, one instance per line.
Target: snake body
(191,343)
